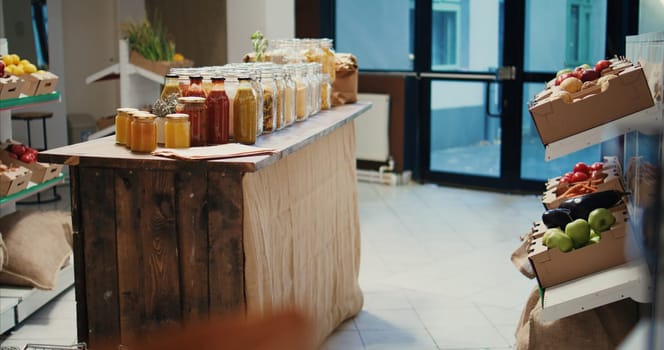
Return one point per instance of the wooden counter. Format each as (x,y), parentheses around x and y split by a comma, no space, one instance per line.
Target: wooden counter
(160,241)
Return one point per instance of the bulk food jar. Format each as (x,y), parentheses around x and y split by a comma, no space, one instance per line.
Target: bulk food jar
(269,87)
(258,91)
(245,112)
(329,65)
(289,95)
(302,93)
(278,74)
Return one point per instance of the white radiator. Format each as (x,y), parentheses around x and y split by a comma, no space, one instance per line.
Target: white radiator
(372,129)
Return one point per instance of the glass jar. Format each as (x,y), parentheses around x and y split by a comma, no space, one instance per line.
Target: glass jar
(171,86)
(313,70)
(302,91)
(122,125)
(196,86)
(255,82)
(218,109)
(281,97)
(289,95)
(143,133)
(230,85)
(244,112)
(270,96)
(194,106)
(132,115)
(329,60)
(176,130)
(325,92)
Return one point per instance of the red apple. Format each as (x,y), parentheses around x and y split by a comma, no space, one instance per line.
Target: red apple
(589,75)
(601,65)
(2,69)
(596,166)
(579,176)
(563,76)
(581,167)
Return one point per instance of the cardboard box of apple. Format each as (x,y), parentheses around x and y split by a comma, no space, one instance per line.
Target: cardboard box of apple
(584,235)
(586,97)
(14,153)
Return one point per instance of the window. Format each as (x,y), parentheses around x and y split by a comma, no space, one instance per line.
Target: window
(578,33)
(446,34)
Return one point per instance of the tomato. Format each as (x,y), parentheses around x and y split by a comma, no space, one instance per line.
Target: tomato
(567,177)
(579,176)
(581,167)
(28,157)
(18,149)
(596,166)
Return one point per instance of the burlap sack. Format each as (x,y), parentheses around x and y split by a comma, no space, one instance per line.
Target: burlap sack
(344,88)
(604,327)
(4,257)
(38,245)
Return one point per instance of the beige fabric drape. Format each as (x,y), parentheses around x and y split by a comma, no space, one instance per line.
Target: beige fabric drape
(302,233)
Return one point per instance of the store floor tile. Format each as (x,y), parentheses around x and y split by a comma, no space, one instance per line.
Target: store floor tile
(435,273)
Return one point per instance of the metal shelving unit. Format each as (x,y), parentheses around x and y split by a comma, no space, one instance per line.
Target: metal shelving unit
(32,189)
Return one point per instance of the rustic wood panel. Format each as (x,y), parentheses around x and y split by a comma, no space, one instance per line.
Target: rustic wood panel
(130,259)
(155,215)
(78,247)
(99,246)
(395,86)
(192,231)
(225,215)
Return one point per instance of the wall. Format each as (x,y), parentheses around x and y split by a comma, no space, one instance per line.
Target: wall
(274,18)
(651,16)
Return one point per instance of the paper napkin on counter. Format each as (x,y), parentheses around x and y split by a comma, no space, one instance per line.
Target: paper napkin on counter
(229,150)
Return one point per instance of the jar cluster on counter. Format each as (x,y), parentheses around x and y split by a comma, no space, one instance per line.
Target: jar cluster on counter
(236,102)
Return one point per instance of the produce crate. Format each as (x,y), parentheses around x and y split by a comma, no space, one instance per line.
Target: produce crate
(552,266)
(39,83)
(14,180)
(41,172)
(612,181)
(158,67)
(10,87)
(626,94)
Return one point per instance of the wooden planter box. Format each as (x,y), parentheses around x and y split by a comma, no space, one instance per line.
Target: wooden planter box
(157,67)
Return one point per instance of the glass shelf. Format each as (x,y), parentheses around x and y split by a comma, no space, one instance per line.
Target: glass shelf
(20,102)
(32,189)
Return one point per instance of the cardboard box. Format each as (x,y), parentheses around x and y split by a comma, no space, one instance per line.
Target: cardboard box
(47,83)
(158,67)
(624,95)
(14,180)
(612,181)
(552,266)
(10,87)
(41,172)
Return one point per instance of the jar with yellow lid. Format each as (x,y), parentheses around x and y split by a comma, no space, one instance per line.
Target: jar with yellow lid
(132,115)
(143,133)
(122,124)
(176,131)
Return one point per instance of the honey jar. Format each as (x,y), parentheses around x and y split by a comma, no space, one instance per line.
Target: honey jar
(176,130)
(122,123)
(144,133)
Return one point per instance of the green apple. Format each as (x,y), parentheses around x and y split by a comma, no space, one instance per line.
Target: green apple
(549,233)
(563,71)
(579,231)
(558,239)
(594,239)
(594,233)
(601,219)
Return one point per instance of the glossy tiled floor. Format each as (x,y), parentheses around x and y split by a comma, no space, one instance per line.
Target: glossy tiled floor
(435,273)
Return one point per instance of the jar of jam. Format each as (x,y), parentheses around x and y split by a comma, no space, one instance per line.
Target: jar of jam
(194,107)
(218,109)
(244,112)
(122,124)
(143,133)
(176,130)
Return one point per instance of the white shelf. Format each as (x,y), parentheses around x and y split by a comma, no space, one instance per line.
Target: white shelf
(18,303)
(646,121)
(630,280)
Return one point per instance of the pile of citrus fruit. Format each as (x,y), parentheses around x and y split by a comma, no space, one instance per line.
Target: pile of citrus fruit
(14,65)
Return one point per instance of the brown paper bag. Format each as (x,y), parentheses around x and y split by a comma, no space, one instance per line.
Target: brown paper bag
(344,88)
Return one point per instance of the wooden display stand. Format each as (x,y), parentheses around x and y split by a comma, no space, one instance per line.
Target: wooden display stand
(159,242)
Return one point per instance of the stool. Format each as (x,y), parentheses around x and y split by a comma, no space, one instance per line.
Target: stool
(29,117)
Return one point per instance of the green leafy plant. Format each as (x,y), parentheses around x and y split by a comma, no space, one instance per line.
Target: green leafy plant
(259,43)
(150,39)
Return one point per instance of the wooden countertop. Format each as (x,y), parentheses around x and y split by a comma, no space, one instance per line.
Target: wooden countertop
(104,152)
